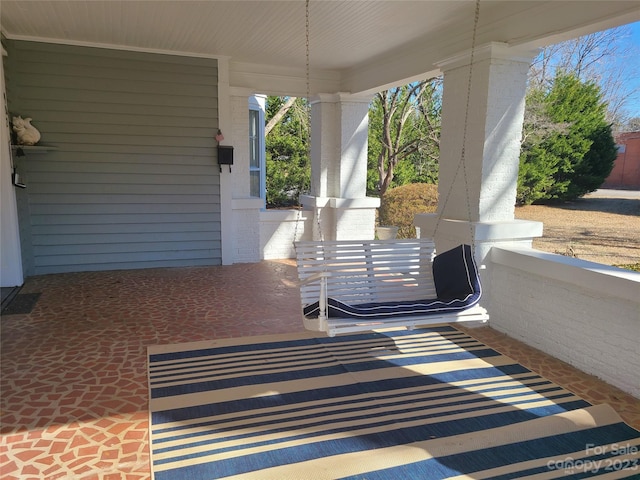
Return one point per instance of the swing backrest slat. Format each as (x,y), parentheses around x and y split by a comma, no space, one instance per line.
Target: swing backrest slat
(364,271)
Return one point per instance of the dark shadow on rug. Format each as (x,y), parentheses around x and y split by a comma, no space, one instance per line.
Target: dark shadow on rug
(21,304)
(430,403)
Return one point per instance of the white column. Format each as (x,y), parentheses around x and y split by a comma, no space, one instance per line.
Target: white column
(243,221)
(339,131)
(477,197)
(11,274)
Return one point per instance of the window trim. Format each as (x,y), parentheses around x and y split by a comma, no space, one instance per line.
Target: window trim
(257,113)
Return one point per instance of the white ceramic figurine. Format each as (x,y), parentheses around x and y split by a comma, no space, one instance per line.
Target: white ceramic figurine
(26,133)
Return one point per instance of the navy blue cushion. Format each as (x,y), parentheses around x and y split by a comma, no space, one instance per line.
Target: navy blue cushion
(457,285)
(455,274)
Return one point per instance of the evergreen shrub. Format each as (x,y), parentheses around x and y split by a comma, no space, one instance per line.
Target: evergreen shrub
(399,205)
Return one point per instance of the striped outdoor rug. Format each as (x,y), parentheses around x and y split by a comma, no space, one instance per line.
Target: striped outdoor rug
(425,404)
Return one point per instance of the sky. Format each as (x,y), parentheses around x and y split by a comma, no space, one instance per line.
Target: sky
(633,79)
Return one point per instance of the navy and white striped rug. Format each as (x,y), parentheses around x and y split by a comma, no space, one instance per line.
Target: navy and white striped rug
(430,403)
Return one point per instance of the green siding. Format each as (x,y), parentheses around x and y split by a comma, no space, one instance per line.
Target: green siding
(133,181)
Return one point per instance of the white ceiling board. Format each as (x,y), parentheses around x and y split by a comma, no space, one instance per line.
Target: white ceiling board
(363,41)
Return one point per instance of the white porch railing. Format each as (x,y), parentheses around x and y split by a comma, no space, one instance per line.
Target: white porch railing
(583,313)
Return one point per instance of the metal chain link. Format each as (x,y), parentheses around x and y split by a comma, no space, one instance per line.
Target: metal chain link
(308,91)
(308,73)
(308,81)
(463,155)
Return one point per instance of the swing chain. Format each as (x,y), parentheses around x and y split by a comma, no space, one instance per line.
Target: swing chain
(466,122)
(299,219)
(317,210)
(463,153)
(308,74)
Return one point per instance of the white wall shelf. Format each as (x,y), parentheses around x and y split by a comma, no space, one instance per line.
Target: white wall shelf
(33,148)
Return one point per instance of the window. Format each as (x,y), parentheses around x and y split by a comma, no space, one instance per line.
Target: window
(256,148)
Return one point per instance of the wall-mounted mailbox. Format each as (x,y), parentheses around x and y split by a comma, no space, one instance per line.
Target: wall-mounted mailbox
(225,156)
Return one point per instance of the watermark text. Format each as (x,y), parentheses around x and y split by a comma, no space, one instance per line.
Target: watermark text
(614,462)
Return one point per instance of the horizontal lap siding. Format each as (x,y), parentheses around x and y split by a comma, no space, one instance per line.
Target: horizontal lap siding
(134,180)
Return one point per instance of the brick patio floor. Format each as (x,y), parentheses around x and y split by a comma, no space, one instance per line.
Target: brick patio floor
(73,375)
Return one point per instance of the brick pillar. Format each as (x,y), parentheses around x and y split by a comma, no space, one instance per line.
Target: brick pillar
(339,130)
(481,210)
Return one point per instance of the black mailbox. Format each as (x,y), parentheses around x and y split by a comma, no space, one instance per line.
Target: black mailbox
(225,156)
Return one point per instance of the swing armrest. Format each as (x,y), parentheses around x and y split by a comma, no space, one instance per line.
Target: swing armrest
(322,300)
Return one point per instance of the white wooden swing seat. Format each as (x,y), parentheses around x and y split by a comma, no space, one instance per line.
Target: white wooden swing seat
(359,285)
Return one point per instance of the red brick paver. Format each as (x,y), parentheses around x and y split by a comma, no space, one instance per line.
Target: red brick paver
(74,376)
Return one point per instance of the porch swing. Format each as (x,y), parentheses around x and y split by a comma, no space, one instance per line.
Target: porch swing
(359,285)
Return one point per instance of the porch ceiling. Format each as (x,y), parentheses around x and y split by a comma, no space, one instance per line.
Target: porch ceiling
(362,44)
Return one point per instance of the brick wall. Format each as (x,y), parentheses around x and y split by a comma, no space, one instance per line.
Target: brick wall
(626,168)
(245,211)
(280,228)
(585,314)
(355,224)
(246,234)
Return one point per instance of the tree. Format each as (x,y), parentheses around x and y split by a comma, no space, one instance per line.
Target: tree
(602,58)
(631,125)
(288,166)
(404,132)
(277,116)
(576,153)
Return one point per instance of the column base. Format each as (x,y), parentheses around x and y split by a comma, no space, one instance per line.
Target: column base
(482,235)
(342,218)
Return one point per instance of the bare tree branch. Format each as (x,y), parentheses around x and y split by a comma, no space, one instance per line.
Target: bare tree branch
(279,114)
(598,57)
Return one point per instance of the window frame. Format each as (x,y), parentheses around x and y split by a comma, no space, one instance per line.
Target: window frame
(257,152)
